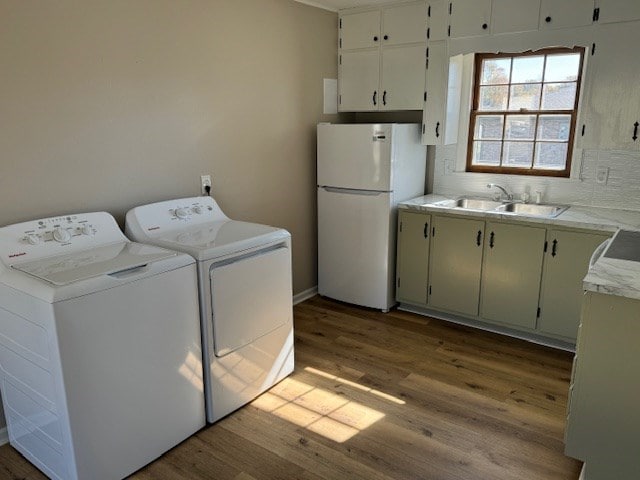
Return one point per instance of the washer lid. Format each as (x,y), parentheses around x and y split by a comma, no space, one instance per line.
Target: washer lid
(105,260)
(215,239)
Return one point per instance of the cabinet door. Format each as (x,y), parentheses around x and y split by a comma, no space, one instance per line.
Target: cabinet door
(359,76)
(513,16)
(455,264)
(611,11)
(413,257)
(610,108)
(565,265)
(402,78)
(511,274)
(436,87)
(469,18)
(565,13)
(437,20)
(360,30)
(406,23)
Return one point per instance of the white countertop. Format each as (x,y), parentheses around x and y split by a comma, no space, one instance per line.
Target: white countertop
(607,275)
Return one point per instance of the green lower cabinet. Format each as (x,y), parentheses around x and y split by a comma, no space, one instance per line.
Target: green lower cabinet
(455,264)
(511,273)
(412,268)
(565,265)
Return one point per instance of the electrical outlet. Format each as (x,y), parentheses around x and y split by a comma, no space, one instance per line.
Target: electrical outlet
(205,181)
(602,175)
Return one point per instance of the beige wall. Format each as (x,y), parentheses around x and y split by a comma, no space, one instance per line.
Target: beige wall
(107,104)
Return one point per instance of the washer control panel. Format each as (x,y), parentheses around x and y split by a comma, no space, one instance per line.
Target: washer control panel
(54,235)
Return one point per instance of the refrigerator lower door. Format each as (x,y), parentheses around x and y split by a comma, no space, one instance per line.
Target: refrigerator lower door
(355,244)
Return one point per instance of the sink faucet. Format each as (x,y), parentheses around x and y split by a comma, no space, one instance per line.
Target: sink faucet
(504,190)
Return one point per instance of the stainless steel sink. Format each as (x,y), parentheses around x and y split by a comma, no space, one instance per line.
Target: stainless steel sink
(535,210)
(477,204)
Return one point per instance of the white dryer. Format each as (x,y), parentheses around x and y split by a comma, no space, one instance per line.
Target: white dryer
(100,354)
(246,308)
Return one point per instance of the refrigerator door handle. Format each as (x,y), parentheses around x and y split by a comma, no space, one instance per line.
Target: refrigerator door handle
(353,191)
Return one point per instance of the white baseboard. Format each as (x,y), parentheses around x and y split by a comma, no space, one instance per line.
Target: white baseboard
(4,436)
(306,295)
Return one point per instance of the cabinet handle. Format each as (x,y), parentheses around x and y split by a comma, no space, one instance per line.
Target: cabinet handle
(375,39)
(375,97)
(479,238)
(386,37)
(426,229)
(635,131)
(554,248)
(548,19)
(437,129)
(384,97)
(491,239)
(484,26)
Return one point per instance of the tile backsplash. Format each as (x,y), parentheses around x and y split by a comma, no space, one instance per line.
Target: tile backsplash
(622,188)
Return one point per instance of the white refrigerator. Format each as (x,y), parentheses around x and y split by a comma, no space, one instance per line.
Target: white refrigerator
(364,170)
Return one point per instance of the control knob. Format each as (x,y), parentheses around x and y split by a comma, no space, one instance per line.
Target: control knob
(61,235)
(33,239)
(87,229)
(198,209)
(182,212)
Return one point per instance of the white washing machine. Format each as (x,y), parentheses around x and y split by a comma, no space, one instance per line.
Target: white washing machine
(100,353)
(246,309)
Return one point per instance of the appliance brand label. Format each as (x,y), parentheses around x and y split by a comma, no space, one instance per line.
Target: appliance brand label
(153,228)
(14,255)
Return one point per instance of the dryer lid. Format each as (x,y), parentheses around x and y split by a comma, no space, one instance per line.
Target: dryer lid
(105,260)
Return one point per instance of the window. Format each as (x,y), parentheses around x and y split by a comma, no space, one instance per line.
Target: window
(524,112)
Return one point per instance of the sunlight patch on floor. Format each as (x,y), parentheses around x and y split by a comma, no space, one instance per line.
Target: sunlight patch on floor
(328,414)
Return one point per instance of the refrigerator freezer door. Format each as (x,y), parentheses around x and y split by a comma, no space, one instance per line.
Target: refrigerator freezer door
(355,156)
(354,247)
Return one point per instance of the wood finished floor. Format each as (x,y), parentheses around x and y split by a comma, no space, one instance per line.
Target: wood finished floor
(385,396)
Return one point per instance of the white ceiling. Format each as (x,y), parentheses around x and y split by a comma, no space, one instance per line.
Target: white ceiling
(335,5)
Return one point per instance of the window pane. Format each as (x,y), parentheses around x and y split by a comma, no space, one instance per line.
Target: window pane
(488,127)
(495,71)
(562,68)
(551,156)
(493,98)
(558,96)
(554,127)
(527,69)
(525,96)
(520,127)
(517,154)
(486,153)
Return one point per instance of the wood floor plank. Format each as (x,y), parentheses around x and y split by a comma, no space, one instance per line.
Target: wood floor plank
(385,396)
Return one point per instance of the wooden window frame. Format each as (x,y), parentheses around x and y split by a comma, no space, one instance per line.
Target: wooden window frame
(479,58)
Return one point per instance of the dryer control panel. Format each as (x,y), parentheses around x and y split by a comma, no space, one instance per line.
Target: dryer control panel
(51,236)
(159,218)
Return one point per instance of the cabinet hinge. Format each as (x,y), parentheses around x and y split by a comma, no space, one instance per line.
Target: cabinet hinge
(400,227)
(339,99)
(583,128)
(546,245)
(429,289)
(596,14)
(340,42)
(429,11)
(538,313)
(593,49)
(340,60)
(449,31)
(423,129)
(427,52)
(340,23)
(433,232)
(428,33)
(398,283)
(425,97)
(450,7)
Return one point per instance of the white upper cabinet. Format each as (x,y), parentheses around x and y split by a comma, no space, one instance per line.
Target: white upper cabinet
(402,78)
(513,16)
(437,20)
(360,30)
(566,13)
(610,11)
(359,73)
(469,18)
(404,23)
